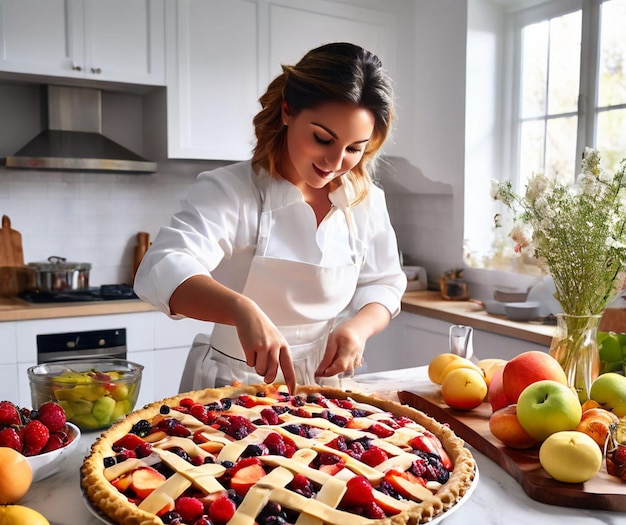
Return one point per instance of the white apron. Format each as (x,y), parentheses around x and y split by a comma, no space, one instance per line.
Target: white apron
(302,300)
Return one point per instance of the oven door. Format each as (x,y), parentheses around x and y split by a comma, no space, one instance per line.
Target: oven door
(95,344)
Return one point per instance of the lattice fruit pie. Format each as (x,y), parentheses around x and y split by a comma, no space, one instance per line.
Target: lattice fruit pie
(257,456)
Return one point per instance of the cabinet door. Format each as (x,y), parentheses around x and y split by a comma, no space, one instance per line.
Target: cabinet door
(212,78)
(9,387)
(116,40)
(42,37)
(125,41)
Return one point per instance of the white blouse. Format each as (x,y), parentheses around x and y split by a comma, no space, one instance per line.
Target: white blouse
(215,233)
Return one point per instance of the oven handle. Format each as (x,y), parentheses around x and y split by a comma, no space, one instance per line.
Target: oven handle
(95,353)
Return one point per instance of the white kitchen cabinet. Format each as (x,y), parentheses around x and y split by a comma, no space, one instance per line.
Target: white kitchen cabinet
(222,54)
(414,340)
(115,41)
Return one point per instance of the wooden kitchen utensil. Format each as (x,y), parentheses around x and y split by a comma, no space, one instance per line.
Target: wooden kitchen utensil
(11,252)
(143,243)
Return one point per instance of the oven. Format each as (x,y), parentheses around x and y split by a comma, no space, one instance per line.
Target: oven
(95,344)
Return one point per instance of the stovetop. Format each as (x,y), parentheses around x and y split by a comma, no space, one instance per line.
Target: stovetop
(106,292)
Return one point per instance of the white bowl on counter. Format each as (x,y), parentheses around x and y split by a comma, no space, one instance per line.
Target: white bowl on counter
(48,463)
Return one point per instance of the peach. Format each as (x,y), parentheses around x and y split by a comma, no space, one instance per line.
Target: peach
(505,426)
(489,367)
(461,362)
(16,476)
(463,388)
(437,365)
(495,393)
(527,368)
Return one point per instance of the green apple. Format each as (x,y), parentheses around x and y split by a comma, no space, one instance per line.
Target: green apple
(610,391)
(570,456)
(546,407)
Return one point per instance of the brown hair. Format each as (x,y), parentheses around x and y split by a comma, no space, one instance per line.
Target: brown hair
(337,72)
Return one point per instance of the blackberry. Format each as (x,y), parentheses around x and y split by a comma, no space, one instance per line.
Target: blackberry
(273,520)
(293,429)
(164,410)
(280,409)
(298,401)
(181,453)
(254,450)
(141,428)
(338,420)
(109,462)
(209,459)
(226,403)
(232,493)
(358,412)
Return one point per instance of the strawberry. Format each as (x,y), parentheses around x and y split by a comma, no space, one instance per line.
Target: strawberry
(9,414)
(52,415)
(128,441)
(270,416)
(9,437)
(373,511)
(380,430)
(358,492)
(221,510)
(35,435)
(190,509)
(54,442)
(374,456)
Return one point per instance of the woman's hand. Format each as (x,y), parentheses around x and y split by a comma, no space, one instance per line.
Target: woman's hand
(264,346)
(346,343)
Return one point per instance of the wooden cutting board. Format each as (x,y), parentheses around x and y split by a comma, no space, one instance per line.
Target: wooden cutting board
(11,252)
(602,492)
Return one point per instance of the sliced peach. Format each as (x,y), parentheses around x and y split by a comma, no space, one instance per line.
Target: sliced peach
(245,478)
(145,480)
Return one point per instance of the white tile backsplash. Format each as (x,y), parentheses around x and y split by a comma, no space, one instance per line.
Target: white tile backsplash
(93,217)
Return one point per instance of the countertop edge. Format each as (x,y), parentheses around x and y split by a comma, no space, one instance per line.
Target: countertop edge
(18,310)
(431,304)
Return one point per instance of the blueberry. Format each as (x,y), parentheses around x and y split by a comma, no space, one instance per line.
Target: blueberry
(226,403)
(141,428)
(164,409)
(227,464)
(109,462)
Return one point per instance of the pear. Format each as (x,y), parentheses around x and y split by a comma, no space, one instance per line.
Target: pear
(609,390)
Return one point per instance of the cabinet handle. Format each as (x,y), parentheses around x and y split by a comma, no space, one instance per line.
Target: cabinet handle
(96,70)
(76,67)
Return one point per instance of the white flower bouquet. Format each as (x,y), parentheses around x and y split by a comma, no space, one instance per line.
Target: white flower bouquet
(576,232)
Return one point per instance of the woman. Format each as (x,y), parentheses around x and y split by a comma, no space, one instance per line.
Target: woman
(291,254)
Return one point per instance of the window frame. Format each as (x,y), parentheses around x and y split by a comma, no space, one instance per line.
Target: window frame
(588,82)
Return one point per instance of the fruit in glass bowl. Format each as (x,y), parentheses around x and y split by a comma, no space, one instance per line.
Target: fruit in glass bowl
(94,394)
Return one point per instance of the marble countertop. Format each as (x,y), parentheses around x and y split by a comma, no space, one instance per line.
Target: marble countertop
(497,498)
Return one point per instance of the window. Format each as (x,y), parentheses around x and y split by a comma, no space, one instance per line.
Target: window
(562,87)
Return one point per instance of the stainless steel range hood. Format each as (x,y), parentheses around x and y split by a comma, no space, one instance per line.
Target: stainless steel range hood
(74,141)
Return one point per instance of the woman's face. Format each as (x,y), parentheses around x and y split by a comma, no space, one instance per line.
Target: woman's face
(324,143)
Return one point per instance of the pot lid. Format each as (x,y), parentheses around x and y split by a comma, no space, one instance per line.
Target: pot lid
(56,264)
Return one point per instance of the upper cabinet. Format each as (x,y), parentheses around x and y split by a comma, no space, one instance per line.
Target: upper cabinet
(222,54)
(113,41)
(212,78)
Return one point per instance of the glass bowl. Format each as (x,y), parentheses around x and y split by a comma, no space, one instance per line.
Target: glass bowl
(94,393)
(48,463)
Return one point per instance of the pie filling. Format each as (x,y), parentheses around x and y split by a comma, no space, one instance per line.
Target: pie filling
(258,456)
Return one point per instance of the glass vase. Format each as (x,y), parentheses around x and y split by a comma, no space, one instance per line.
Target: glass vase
(575,347)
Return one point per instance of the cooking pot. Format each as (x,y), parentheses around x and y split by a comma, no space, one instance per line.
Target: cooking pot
(57,274)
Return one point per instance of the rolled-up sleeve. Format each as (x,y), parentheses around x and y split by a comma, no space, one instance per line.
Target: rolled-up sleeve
(381,279)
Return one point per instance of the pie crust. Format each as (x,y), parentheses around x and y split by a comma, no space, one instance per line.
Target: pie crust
(426,502)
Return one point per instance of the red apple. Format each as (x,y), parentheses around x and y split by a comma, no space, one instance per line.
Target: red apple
(505,426)
(527,368)
(495,394)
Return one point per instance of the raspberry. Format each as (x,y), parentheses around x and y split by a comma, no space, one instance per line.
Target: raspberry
(190,509)
(374,456)
(9,437)
(300,482)
(199,412)
(301,412)
(35,435)
(52,415)
(325,458)
(275,444)
(187,402)
(239,427)
(9,414)
(343,403)
(270,416)
(221,510)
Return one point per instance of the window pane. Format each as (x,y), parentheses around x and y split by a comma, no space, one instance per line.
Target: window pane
(611,137)
(531,151)
(565,35)
(561,149)
(534,69)
(612,67)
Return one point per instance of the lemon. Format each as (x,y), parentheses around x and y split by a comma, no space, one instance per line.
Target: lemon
(20,515)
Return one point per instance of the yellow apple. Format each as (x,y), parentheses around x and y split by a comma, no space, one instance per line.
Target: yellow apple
(570,456)
(546,407)
(463,388)
(437,365)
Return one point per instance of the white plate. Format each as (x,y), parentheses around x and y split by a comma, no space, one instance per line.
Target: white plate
(438,519)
